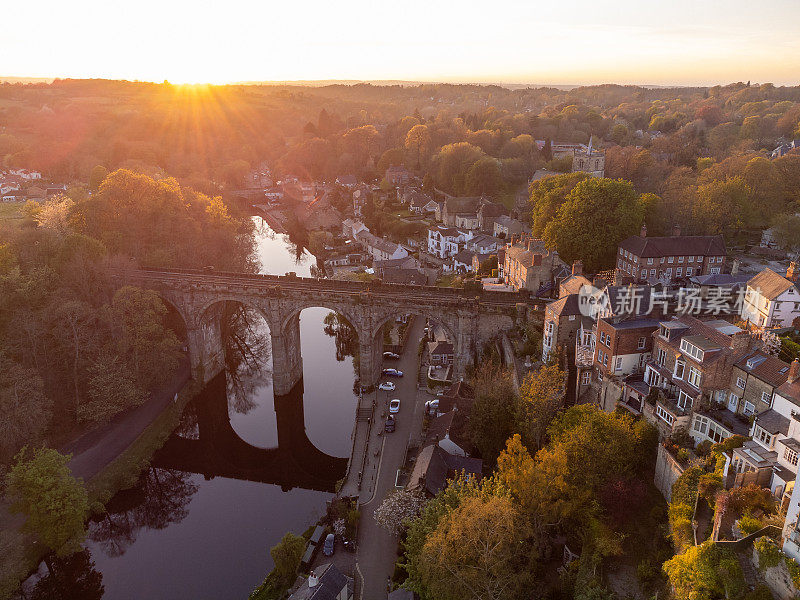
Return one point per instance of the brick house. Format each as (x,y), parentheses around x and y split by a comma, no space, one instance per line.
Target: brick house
(562,321)
(655,259)
(397,175)
(754,380)
(692,365)
(528,265)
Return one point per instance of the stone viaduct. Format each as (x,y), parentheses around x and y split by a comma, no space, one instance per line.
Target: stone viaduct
(471,318)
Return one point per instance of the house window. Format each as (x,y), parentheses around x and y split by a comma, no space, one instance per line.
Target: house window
(680,366)
(600,376)
(644,273)
(663,414)
(669,272)
(649,261)
(694,377)
(689,271)
(790,456)
(763,436)
(642,343)
(749,408)
(605,360)
(766,397)
(740,383)
(671,259)
(700,424)
(680,259)
(692,350)
(618,364)
(652,272)
(684,400)
(586,377)
(733,402)
(714,270)
(661,357)
(690,259)
(715,432)
(679,272)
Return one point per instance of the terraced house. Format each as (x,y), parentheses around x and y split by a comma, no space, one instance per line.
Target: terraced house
(772,300)
(655,259)
(691,366)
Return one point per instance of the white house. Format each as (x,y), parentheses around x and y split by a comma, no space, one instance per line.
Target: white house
(379,248)
(772,300)
(445,242)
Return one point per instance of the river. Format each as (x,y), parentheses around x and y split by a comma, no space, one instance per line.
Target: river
(178,534)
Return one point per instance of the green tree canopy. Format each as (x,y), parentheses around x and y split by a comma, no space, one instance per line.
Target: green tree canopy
(596,215)
(41,487)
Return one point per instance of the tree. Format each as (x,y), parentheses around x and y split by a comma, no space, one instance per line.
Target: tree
(41,486)
(596,216)
(112,389)
(418,142)
(451,163)
(786,232)
(703,572)
(723,207)
(287,555)
(98,175)
(393,157)
(541,397)
(492,417)
(24,407)
(484,178)
(144,344)
(398,508)
(478,552)
(54,215)
(547,195)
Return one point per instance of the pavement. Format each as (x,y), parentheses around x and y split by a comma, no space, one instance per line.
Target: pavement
(377,548)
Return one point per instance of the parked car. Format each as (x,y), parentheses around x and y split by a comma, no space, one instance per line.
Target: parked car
(393,372)
(391,355)
(328,547)
(386,386)
(394,406)
(390,424)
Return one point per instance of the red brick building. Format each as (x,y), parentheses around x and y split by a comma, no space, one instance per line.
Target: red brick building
(656,259)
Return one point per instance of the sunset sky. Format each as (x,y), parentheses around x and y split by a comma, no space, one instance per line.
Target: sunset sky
(582,41)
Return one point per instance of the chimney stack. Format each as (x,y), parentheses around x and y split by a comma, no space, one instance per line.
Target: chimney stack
(735,266)
(793,271)
(676,230)
(794,371)
(643,231)
(577,267)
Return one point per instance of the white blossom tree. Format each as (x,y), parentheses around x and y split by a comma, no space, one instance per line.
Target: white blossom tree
(397,508)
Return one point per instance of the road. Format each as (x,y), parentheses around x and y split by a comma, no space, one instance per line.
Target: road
(377,551)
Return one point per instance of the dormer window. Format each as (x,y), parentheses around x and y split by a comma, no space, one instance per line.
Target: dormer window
(664,332)
(692,350)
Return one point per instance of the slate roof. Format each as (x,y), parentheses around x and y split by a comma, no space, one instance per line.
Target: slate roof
(679,245)
(434,466)
(568,305)
(573,283)
(773,422)
(770,284)
(440,347)
(404,276)
(464,257)
(720,279)
(768,368)
(455,206)
(330,582)
(525,257)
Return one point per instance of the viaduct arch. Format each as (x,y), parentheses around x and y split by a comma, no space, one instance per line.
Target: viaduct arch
(472,318)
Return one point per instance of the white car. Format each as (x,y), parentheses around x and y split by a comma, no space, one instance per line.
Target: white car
(394,406)
(387,386)
(391,356)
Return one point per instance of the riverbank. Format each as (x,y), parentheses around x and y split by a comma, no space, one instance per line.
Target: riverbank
(20,553)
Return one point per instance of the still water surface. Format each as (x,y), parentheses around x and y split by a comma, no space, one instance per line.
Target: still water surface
(180,535)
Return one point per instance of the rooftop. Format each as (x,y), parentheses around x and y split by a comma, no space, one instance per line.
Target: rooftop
(770,284)
(679,245)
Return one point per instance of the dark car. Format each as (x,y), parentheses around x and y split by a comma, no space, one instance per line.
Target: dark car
(390,423)
(327,548)
(393,372)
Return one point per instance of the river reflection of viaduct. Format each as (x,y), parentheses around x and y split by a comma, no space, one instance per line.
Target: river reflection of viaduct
(471,318)
(218,450)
